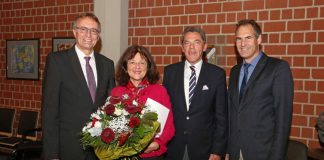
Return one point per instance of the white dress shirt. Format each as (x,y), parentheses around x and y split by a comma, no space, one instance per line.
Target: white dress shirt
(187,74)
(92,63)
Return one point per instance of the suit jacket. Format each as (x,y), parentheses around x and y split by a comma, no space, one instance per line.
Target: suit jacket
(67,103)
(204,127)
(260,123)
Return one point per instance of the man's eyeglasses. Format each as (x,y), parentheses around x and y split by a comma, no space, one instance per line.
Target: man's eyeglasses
(84,30)
(195,43)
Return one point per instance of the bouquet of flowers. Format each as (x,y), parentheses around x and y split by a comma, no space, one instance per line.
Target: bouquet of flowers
(122,127)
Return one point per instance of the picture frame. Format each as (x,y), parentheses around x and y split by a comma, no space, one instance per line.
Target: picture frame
(62,43)
(22,58)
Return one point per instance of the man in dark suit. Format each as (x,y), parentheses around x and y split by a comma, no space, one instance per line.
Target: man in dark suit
(260,100)
(67,102)
(199,102)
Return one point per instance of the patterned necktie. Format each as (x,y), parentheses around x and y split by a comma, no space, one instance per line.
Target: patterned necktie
(192,82)
(246,73)
(91,79)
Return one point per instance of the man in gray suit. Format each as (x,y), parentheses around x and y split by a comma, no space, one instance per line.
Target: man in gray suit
(67,100)
(260,100)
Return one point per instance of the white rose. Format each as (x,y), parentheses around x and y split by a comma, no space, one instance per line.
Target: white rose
(96,115)
(95,131)
(135,103)
(118,112)
(125,112)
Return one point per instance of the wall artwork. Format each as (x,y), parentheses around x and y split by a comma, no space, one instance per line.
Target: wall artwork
(62,43)
(23,59)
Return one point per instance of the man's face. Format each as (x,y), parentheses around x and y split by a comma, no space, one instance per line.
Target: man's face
(86,34)
(193,47)
(247,43)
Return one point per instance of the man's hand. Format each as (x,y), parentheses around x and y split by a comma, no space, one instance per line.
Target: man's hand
(214,157)
(152,147)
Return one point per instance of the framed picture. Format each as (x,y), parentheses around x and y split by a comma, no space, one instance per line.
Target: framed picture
(23,59)
(62,43)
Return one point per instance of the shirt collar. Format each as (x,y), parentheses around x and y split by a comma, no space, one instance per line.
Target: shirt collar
(197,65)
(81,55)
(255,60)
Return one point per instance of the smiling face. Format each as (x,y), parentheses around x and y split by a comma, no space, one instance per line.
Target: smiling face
(247,43)
(136,69)
(193,47)
(86,33)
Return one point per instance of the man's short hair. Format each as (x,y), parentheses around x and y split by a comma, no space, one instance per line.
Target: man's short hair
(194,29)
(251,22)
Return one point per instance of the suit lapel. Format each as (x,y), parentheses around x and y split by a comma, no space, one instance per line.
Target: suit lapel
(256,72)
(180,84)
(234,82)
(203,76)
(100,72)
(78,71)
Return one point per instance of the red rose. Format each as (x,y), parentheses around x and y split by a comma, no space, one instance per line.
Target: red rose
(131,109)
(107,135)
(123,138)
(94,120)
(128,102)
(134,122)
(139,109)
(110,109)
(141,102)
(114,99)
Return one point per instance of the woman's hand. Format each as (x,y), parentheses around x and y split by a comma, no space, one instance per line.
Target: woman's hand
(152,147)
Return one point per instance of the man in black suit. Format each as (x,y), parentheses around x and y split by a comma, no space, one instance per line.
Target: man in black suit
(67,101)
(198,95)
(260,100)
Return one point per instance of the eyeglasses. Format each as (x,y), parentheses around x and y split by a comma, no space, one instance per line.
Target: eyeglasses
(195,43)
(140,64)
(240,39)
(84,30)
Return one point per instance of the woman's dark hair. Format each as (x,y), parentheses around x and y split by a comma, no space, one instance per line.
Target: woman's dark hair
(122,77)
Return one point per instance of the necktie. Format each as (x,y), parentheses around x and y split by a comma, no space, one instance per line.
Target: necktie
(192,82)
(246,73)
(91,79)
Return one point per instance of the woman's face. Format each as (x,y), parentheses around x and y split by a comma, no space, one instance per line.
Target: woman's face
(136,69)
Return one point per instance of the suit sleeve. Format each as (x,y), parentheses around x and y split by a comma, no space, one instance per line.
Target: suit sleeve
(50,108)
(221,116)
(283,101)
(112,77)
(164,81)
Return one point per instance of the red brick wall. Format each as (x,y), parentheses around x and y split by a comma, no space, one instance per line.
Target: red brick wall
(33,19)
(293,30)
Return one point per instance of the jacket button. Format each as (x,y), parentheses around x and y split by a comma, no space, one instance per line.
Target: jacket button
(187,117)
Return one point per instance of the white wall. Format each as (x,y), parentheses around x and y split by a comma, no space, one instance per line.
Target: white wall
(113,16)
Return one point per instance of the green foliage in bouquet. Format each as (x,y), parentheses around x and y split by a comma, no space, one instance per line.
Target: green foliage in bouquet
(129,149)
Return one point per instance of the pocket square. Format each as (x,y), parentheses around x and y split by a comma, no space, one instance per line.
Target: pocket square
(205,87)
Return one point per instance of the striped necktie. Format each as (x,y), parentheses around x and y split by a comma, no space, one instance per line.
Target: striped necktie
(91,79)
(192,82)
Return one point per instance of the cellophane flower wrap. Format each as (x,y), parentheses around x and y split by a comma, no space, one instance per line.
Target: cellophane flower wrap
(122,127)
